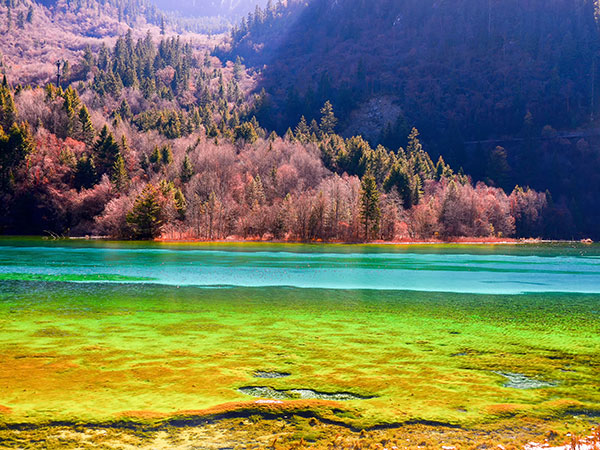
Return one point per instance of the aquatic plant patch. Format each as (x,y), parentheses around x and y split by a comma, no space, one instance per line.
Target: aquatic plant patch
(520,381)
(270,374)
(304,394)
(73,350)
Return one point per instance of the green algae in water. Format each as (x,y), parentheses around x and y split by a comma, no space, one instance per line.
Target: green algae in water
(132,347)
(72,348)
(99,277)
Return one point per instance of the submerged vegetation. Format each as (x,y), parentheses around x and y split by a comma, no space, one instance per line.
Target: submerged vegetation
(384,358)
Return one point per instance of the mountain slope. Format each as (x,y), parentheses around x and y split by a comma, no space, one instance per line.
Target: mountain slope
(31,44)
(487,83)
(479,65)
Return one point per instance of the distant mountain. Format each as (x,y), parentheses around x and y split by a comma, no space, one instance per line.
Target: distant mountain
(232,9)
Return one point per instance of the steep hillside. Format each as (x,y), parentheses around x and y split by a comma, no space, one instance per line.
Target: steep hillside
(487,83)
(35,35)
(476,65)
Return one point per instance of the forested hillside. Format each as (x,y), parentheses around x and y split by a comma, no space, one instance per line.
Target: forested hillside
(500,88)
(476,65)
(118,127)
(37,34)
(157,139)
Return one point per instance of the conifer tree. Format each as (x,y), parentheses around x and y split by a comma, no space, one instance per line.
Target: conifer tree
(370,212)
(302,131)
(187,171)
(120,177)
(106,151)
(147,217)
(246,133)
(21,19)
(180,204)
(87,128)
(156,157)
(69,105)
(14,148)
(8,112)
(328,119)
(166,155)
(85,172)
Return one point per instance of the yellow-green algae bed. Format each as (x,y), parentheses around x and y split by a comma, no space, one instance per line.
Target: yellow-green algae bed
(101,338)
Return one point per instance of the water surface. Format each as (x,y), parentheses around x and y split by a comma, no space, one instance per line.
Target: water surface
(458,334)
(503,269)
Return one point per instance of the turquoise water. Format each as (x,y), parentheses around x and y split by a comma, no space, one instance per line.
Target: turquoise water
(502,269)
(91,329)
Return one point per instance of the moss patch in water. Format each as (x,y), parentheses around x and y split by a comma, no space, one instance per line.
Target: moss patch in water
(138,347)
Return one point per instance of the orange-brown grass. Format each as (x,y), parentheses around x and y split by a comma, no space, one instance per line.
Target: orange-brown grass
(289,432)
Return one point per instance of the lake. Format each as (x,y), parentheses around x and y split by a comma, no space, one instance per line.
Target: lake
(455,334)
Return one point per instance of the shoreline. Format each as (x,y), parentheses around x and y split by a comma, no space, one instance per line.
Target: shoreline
(399,243)
(262,426)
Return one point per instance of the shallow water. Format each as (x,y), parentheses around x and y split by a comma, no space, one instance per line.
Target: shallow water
(89,330)
(463,269)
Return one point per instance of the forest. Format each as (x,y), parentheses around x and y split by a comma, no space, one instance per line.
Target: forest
(507,89)
(152,135)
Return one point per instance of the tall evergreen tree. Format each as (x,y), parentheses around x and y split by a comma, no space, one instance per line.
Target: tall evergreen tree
(106,151)
(370,212)
(147,216)
(120,177)
(187,171)
(85,172)
(87,128)
(328,119)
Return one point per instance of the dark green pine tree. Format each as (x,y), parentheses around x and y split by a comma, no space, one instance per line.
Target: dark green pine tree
(187,171)
(85,172)
(69,105)
(156,158)
(370,212)
(86,126)
(120,177)
(106,151)
(400,179)
(8,113)
(180,204)
(14,148)
(328,119)
(166,155)
(124,110)
(147,217)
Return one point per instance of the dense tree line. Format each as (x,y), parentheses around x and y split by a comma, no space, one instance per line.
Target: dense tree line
(69,168)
